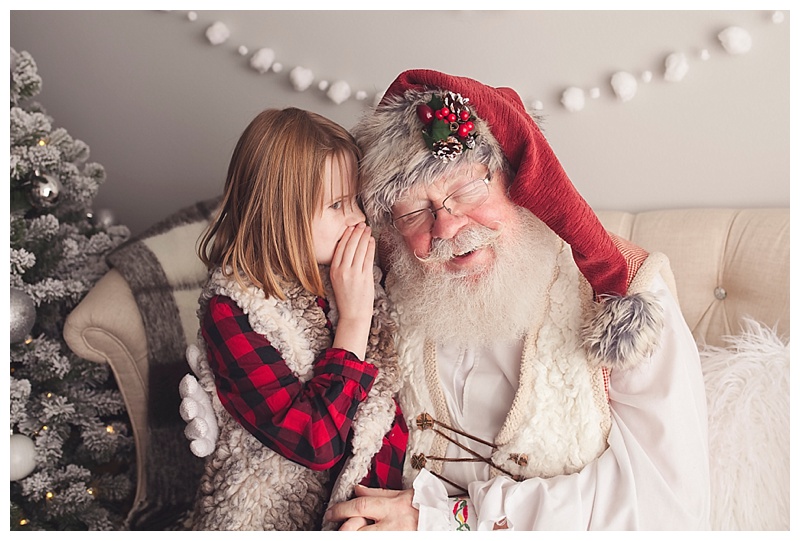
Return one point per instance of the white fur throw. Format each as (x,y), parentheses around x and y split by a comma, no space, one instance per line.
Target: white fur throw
(747,387)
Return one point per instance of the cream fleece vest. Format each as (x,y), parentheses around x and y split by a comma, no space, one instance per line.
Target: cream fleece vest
(246,485)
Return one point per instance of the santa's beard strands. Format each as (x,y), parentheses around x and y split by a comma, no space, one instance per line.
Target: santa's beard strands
(477,306)
(465,242)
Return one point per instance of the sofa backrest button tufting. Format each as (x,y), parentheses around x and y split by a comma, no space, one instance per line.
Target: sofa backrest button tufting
(720,293)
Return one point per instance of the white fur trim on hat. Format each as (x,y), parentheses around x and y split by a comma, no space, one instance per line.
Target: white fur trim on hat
(395,156)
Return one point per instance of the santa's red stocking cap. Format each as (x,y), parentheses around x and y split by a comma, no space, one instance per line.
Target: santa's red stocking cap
(541,185)
(401,148)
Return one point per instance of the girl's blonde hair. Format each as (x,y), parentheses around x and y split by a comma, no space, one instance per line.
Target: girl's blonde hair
(274,187)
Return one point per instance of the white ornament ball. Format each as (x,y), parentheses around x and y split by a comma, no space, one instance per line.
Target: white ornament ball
(624,85)
(736,40)
(242,50)
(777,17)
(277,67)
(704,54)
(573,99)
(339,92)
(361,95)
(262,60)
(675,67)
(647,76)
(537,105)
(301,78)
(217,33)
(323,85)
(22,452)
(192,16)
(594,92)
(23,314)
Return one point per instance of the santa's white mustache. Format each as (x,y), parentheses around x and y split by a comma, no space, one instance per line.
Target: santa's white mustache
(467,240)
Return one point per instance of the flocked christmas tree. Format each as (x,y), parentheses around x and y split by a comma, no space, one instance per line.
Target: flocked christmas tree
(71,451)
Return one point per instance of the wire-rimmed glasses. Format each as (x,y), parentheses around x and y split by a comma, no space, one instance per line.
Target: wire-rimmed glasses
(458,203)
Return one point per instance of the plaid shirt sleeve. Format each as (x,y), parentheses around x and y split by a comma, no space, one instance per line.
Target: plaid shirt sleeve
(386,470)
(308,423)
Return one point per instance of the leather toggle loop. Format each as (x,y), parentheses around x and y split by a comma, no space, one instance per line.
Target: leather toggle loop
(424,421)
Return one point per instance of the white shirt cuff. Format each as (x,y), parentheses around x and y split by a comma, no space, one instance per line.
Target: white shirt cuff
(437,511)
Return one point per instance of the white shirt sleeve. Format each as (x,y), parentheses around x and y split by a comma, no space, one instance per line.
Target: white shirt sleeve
(654,474)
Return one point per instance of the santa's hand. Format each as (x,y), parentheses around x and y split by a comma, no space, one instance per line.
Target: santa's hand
(196,409)
(376,509)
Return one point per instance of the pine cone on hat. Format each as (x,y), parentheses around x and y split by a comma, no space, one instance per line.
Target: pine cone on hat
(455,102)
(447,149)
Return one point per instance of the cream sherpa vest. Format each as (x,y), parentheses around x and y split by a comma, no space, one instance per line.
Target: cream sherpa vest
(246,485)
(559,418)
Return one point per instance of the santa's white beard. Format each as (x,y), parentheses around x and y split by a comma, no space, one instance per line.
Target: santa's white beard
(493,303)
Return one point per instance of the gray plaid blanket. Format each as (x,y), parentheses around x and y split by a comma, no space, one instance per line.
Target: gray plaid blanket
(166,277)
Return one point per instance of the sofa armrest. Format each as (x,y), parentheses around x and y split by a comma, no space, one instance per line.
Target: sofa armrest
(107,327)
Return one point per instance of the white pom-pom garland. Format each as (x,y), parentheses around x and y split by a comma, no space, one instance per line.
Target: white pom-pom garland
(301,78)
(217,33)
(676,67)
(777,17)
(573,99)
(262,60)
(735,40)
(624,85)
(339,92)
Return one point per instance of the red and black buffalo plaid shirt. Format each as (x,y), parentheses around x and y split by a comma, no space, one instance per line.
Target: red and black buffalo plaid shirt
(308,423)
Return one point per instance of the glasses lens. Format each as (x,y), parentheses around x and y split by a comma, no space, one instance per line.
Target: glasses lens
(468,197)
(414,221)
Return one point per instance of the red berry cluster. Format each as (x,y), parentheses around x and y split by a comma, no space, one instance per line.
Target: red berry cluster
(449,127)
(427,114)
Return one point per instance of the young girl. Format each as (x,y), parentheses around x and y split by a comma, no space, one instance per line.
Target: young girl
(300,365)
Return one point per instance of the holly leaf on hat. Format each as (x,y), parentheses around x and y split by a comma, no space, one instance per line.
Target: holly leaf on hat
(436,102)
(440,129)
(428,139)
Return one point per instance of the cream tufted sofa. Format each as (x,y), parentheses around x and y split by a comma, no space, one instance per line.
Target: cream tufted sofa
(727,264)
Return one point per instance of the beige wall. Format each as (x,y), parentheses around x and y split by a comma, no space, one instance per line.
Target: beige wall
(161,108)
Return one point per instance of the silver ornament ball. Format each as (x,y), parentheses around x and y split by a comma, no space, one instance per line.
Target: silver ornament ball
(23,315)
(22,452)
(45,191)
